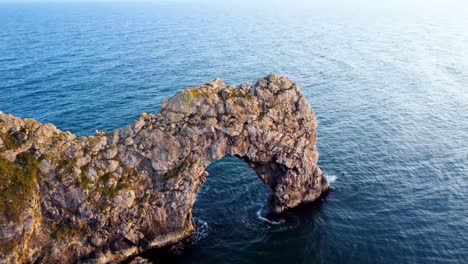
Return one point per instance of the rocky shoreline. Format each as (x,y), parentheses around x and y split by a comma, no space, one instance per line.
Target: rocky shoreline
(107,197)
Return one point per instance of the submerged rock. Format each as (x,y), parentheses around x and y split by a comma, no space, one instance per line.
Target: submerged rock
(107,197)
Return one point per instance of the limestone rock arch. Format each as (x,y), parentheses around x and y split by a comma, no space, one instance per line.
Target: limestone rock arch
(113,195)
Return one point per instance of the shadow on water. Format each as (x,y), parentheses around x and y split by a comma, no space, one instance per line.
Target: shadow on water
(233,220)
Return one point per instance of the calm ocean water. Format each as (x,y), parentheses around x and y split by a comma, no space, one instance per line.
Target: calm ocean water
(389,85)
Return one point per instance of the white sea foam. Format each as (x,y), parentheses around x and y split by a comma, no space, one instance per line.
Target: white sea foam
(202,229)
(331,178)
(264,219)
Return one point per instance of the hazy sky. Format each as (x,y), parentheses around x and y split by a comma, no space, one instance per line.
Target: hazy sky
(458,5)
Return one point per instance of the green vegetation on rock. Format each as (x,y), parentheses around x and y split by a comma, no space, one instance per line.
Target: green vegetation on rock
(105,178)
(84,181)
(63,232)
(10,142)
(17,184)
(66,164)
(110,193)
(195,92)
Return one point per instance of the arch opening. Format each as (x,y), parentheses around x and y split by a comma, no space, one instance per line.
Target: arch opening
(232,194)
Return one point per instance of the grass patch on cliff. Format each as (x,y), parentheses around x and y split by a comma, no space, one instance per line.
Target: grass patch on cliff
(84,181)
(105,178)
(66,164)
(111,193)
(63,232)
(10,142)
(232,93)
(237,93)
(189,95)
(63,167)
(17,184)
(195,92)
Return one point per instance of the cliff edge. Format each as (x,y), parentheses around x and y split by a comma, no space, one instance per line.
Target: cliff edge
(106,197)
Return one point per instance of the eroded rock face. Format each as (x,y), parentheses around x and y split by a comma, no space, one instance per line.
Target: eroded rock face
(113,195)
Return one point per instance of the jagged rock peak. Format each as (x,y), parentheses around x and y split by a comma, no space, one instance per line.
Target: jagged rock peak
(116,194)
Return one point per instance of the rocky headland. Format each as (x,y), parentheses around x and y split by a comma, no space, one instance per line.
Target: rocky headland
(111,196)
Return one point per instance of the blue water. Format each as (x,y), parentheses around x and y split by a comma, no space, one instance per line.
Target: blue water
(389,85)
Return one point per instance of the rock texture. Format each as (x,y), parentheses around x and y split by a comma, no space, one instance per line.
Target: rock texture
(106,197)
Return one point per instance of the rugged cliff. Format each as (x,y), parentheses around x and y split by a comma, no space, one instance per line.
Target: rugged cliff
(113,195)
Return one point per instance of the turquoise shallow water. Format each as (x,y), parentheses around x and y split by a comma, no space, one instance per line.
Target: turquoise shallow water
(389,85)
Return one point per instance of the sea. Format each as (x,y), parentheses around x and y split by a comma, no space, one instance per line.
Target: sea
(388,82)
